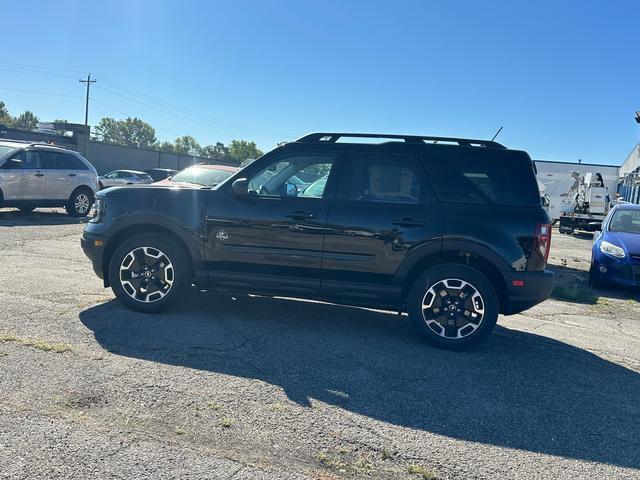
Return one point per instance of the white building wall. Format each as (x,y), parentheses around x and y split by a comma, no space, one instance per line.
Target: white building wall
(632,163)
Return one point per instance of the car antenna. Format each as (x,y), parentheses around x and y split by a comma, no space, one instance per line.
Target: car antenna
(497,133)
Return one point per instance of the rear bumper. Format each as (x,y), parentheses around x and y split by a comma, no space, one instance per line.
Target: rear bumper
(94,251)
(526,289)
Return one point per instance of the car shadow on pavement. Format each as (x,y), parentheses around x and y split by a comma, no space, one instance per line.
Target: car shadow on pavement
(15,218)
(572,285)
(517,390)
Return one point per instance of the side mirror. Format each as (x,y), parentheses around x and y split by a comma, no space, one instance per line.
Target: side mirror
(12,163)
(240,187)
(290,189)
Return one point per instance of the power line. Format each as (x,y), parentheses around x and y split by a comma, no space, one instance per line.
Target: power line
(138,97)
(149,102)
(88,83)
(40,93)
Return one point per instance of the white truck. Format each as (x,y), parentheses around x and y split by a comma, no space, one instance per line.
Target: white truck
(586,204)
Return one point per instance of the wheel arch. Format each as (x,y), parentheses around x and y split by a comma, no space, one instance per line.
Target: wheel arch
(131,230)
(479,260)
(83,187)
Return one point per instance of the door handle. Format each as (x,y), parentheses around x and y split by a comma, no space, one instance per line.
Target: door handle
(408,222)
(300,215)
(72,174)
(39,174)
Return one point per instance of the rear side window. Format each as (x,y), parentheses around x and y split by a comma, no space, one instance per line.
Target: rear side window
(74,162)
(382,178)
(61,161)
(485,182)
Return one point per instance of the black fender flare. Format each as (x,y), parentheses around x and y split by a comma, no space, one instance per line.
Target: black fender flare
(434,249)
(137,223)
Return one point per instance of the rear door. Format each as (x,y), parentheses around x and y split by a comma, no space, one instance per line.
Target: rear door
(60,174)
(25,182)
(384,209)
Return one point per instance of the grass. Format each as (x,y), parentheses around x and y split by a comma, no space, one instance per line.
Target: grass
(226,422)
(574,294)
(180,430)
(386,453)
(214,405)
(37,344)
(424,473)
(360,465)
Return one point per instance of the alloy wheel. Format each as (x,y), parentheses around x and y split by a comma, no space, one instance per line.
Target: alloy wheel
(453,308)
(146,274)
(82,203)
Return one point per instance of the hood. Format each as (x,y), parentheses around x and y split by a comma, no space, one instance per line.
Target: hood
(630,242)
(150,190)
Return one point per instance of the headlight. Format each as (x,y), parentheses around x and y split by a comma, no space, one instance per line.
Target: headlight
(611,249)
(97,212)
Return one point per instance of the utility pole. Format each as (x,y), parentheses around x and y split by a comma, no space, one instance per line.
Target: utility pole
(88,82)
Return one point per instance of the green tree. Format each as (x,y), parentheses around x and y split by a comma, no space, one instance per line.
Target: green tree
(26,121)
(167,147)
(132,132)
(5,117)
(241,150)
(216,152)
(187,145)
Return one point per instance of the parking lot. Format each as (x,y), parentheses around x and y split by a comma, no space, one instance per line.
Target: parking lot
(252,387)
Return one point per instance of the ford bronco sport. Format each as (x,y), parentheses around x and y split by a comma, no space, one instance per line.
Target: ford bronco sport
(451,231)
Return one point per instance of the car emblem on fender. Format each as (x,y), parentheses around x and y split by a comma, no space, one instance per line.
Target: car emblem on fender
(222,235)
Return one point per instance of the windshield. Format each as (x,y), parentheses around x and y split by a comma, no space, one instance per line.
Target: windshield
(208,177)
(625,221)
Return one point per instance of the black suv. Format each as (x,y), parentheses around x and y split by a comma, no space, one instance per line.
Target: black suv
(450,230)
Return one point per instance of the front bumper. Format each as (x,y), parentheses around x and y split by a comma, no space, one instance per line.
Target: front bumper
(526,289)
(93,247)
(624,271)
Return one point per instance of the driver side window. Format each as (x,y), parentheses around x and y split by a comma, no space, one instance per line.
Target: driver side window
(298,176)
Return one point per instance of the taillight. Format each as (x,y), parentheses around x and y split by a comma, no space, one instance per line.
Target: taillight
(544,239)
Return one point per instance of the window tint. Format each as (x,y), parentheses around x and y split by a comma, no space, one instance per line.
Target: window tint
(123,175)
(60,161)
(29,159)
(485,182)
(74,162)
(391,179)
(292,176)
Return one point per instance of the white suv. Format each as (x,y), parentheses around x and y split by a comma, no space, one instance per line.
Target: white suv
(41,175)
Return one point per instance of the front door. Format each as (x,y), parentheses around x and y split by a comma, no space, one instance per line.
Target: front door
(24,180)
(272,238)
(384,210)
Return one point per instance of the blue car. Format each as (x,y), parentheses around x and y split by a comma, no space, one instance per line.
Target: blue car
(615,256)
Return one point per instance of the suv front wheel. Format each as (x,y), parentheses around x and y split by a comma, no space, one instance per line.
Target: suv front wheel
(150,272)
(79,203)
(453,306)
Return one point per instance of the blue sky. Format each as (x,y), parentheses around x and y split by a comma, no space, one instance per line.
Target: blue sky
(562,77)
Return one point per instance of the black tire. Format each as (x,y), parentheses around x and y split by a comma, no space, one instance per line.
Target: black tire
(27,209)
(179,277)
(462,308)
(80,202)
(594,278)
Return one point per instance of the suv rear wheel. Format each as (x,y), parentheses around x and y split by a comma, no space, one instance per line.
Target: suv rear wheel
(453,306)
(149,272)
(79,203)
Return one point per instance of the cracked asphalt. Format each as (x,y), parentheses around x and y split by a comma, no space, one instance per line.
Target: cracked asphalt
(259,388)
